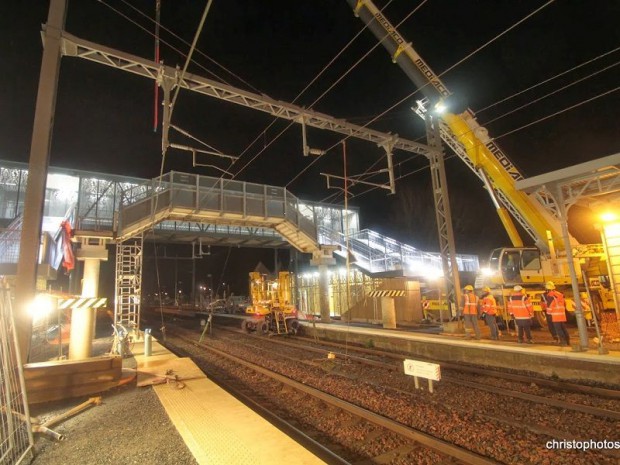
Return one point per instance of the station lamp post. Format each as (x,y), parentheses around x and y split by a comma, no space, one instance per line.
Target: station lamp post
(610,235)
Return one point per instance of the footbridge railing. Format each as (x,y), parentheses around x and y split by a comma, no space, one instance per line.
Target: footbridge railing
(190,197)
(376,253)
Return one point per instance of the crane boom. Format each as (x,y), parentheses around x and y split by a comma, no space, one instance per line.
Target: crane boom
(467,138)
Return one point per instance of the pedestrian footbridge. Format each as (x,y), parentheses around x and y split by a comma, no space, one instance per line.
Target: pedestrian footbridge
(203,210)
(202,199)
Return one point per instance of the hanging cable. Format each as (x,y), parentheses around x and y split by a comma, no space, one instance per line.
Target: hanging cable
(547,80)
(176,36)
(217,291)
(407,97)
(189,55)
(551,93)
(559,112)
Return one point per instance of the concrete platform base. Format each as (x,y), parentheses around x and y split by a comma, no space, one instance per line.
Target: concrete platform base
(548,361)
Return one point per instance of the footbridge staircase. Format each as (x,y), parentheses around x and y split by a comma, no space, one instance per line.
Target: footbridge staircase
(378,255)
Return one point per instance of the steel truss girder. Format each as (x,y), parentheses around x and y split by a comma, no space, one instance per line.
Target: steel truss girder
(447,246)
(76,47)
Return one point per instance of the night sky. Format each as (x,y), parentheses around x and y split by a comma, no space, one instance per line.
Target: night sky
(104,116)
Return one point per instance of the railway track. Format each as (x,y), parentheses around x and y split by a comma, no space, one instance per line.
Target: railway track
(456,373)
(381,439)
(440,413)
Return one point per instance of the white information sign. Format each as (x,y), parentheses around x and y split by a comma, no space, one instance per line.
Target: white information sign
(423,369)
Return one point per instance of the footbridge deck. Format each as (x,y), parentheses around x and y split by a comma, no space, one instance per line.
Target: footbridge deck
(194,198)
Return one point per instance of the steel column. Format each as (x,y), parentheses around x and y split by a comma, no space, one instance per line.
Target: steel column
(37,172)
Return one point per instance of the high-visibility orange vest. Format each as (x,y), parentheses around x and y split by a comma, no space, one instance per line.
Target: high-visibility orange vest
(520,306)
(470,304)
(489,305)
(556,308)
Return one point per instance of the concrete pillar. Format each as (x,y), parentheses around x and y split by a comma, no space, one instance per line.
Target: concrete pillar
(324,294)
(80,343)
(90,283)
(388,312)
(83,320)
(322,258)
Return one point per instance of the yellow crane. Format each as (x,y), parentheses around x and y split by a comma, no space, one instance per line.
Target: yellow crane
(508,266)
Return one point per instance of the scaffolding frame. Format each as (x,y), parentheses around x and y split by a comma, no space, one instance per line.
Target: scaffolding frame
(128,288)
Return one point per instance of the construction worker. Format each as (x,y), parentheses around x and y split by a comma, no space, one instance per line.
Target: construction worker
(544,304)
(520,307)
(489,311)
(470,309)
(556,309)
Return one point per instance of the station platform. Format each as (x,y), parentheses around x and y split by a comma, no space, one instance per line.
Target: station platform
(217,428)
(543,359)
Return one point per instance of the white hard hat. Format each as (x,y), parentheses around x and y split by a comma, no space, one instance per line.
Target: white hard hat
(517,288)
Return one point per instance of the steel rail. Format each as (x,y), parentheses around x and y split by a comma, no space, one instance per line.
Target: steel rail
(536,429)
(595,411)
(443,447)
(561,385)
(288,428)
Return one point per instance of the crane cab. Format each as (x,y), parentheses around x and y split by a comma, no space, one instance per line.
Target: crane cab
(509,266)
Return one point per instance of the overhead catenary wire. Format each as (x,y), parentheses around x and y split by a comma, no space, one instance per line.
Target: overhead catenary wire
(551,115)
(520,107)
(531,102)
(407,97)
(178,37)
(516,94)
(363,57)
(611,91)
(407,113)
(320,73)
(168,44)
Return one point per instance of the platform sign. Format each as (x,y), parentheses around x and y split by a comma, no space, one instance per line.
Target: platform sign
(423,369)
(430,371)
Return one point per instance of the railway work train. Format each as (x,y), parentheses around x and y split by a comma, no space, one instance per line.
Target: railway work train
(271,309)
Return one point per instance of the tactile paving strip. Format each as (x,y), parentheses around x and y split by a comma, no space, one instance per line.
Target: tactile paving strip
(217,428)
